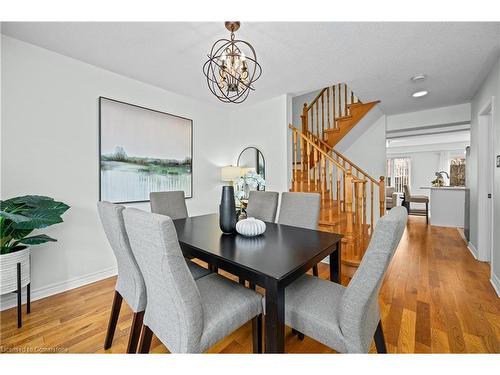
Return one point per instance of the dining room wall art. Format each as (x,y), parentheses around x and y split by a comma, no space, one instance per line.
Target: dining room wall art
(142,150)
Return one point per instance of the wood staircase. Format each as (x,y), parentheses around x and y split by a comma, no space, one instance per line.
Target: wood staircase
(348,193)
(333,113)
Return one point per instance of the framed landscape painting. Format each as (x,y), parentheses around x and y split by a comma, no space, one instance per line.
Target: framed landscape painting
(141,151)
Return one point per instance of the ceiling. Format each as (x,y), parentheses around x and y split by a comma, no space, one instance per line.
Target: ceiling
(375,59)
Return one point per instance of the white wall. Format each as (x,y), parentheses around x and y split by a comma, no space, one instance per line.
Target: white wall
(490,88)
(298,104)
(49,146)
(423,166)
(262,125)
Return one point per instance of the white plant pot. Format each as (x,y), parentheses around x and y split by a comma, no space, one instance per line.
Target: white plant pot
(8,270)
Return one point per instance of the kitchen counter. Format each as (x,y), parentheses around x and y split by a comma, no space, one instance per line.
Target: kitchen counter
(447,205)
(444,187)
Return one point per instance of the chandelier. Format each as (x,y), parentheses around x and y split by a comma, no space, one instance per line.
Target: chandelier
(231,68)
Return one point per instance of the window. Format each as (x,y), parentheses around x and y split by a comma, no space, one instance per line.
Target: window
(398,173)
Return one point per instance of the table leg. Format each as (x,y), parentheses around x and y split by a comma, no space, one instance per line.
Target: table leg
(275,318)
(335,264)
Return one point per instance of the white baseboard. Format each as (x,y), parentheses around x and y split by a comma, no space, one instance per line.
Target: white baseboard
(495,282)
(472,250)
(8,301)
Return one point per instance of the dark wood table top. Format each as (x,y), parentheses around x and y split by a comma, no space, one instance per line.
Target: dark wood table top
(277,253)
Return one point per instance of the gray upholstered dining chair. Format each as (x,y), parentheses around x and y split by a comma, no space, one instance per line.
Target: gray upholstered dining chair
(347,318)
(262,205)
(172,204)
(300,210)
(186,315)
(409,198)
(169,203)
(130,283)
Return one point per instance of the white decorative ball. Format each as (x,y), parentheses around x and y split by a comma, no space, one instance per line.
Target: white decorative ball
(250,227)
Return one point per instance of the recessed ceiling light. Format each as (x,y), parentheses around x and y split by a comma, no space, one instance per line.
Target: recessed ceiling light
(418,78)
(419,94)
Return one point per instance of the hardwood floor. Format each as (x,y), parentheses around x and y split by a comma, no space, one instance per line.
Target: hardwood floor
(435,299)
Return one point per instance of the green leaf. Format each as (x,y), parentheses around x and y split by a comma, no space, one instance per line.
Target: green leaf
(20,233)
(35,240)
(53,206)
(31,200)
(14,217)
(8,205)
(39,218)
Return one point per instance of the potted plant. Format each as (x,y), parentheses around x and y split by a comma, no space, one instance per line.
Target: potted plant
(244,184)
(19,217)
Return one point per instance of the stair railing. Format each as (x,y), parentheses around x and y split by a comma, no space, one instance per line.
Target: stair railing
(327,107)
(329,177)
(359,173)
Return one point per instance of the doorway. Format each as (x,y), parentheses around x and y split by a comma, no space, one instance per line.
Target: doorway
(486,182)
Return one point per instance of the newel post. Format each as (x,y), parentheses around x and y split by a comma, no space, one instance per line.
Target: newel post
(348,189)
(381,190)
(305,125)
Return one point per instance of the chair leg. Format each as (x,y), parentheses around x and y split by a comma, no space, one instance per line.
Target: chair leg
(241,281)
(379,339)
(427,212)
(135,332)
(145,343)
(113,319)
(315,270)
(251,285)
(257,334)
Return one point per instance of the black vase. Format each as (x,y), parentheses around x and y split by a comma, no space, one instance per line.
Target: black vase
(227,210)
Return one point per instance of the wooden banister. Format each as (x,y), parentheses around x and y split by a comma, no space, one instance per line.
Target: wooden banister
(316,98)
(317,149)
(328,149)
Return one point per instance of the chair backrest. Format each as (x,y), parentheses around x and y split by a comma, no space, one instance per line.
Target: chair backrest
(300,210)
(389,191)
(130,283)
(406,189)
(359,311)
(169,203)
(174,310)
(263,205)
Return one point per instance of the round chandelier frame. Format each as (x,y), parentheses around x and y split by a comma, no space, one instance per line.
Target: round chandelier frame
(231,68)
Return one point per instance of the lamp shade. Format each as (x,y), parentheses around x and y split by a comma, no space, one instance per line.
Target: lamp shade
(230,173)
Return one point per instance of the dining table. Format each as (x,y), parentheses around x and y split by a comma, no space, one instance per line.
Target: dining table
(272,260)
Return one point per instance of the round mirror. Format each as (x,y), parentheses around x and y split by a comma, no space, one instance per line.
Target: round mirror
(251,159)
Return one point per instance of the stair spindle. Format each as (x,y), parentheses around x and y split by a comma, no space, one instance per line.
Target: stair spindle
(372,222)
(340,99)
(345,100)
(364,214)
(323,179)
(322,116)
(328,109)
(294,140)
(317,120)
(308,167)
(312,121)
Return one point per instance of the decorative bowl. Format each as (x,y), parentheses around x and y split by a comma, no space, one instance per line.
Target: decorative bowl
(250,227)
